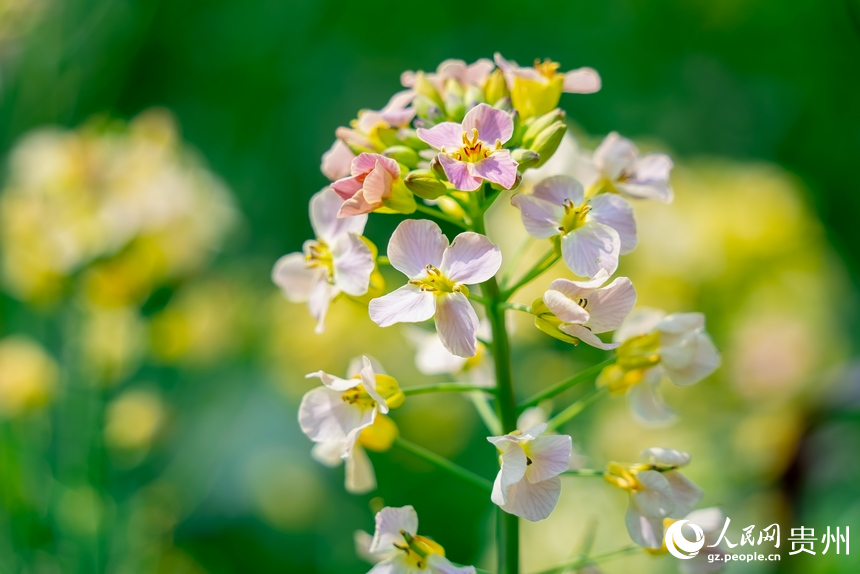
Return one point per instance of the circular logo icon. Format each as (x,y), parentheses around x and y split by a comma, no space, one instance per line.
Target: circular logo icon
(678,545)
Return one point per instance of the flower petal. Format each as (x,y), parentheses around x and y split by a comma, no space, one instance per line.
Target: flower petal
(321,296)
(336,161)
(359,477)
(612,210)
(324,416)
(550,456)
(492,124)
(357,205)
(533,501)
(499,167)
(582,81)
(639,322)
(368,378)
(651,180)
(329,453)
(353,264)
(390,522)
(664,457)
(324,208)
(438,564)
(610,305)
(431,356)
(457,324)
(377,185)
(408,304)
(364,163)
(558,189)
(646,531)
(647,404)
(685,493)
(541,218)
(459,174)
(514,464)
(615,156)
(295,278)
(447,135)
(346,187)
(415,244)
(472,258)
(563,307)
(656,499)
(587,337)
(590,248)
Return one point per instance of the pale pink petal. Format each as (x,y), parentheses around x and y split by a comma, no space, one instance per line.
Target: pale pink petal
(615,155)
(457,324)
(590,248)
(390,522)
(377,185)
(336,161)
(587,337)
(472,258)
(656,498)
(647,404)
(685,494)
(614,211)
(357,205)
(500,167)
(347,187)
(582,81)
(324,208)
(324,416)
(550,456)
(368,378)
(459,174)
(320,298)
(514,464)
(704,359)
(660,456)
(559,189)
(296,278)
(364,163)
(639,322)
(610,305)
(646,531)
(533,501)
(511,68)
(448,135)
(531,433)
(333,382)
(353,264)
(564,307)
(438,564)
(492,124)
(415,244)
(576,289)
(541,218)
(359,477)
(651,180)
(409,304)
(679,323)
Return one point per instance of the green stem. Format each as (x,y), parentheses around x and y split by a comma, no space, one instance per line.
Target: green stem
(575,409)
(540,267)
(508,525)
(487,414)
(579,562)
(444,388)
(479,299)
(516,307)
(444,463)
(383,260)
(567,383)
(441,215)
(584,472)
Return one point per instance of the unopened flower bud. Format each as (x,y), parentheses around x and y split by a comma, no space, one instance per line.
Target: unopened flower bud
(424,87)
(473,97)
(548,141)
(496,87)
(455,105)
(549,323)
(536,125)
(525,158)
(401,199)
(403,154)
(437,169)
(423,183)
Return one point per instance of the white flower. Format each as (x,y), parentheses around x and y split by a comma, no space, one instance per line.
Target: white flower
(657,491)
(711,521)
(438,274)
(594,231)
(654,345)
(338,260)
(528,485)
(617,167)
(432,358)
(402,551)
(586,309)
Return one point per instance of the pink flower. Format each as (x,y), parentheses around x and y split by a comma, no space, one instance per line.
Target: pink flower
(369,184)
(458,70)
(586,309)
(438,274)
(472,151)
(337,261)
(594,231)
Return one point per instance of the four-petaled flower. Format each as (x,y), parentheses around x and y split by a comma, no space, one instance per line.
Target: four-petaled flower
(402,550)
(339,260)
(617,167)
(438,275)
(528,485)
(537,90)
(372,176)
(583,309)
(472,152)
(594,231)
(657,491)
(654,345)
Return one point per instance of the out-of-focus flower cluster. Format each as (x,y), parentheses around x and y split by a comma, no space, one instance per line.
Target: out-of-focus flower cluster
(113,210)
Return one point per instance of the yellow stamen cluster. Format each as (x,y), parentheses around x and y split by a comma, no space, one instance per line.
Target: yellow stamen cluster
(318,254)
(624,475)
(473,149)
(635,356)
(387,387)
(418,549)
(435,282)
(574,216)
(548,69)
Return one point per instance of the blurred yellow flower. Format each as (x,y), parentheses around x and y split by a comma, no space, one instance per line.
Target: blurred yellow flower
(27,376)
(134,419)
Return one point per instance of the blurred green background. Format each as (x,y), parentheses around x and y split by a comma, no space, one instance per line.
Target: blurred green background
(167,439)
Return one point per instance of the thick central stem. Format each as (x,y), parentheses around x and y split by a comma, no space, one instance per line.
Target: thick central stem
(508,527)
